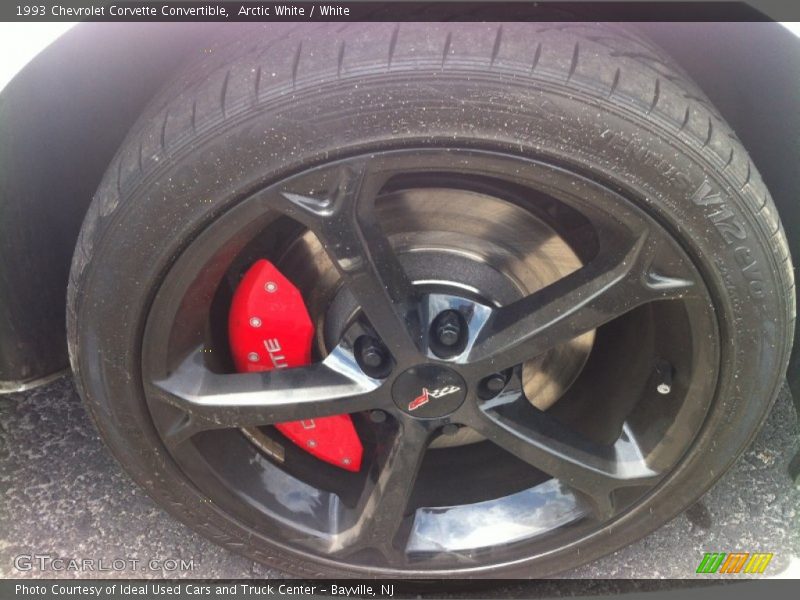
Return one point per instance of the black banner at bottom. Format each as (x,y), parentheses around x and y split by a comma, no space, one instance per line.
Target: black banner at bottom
(121,589)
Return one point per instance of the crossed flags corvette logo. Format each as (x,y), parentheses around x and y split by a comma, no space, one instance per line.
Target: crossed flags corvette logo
(419,400)
(426,395)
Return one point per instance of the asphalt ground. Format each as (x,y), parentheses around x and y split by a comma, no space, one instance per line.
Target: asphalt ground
(63,495)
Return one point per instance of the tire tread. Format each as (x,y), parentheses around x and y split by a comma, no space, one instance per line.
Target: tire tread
(606,62)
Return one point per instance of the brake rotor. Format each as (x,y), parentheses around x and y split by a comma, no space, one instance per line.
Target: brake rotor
(463,243)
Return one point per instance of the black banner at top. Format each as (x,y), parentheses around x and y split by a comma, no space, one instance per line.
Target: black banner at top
(225,11)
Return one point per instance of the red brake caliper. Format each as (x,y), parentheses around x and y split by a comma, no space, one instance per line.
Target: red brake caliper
(269,328)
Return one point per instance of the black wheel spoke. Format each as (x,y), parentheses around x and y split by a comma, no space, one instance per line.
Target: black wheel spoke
(384,501)
(214,400)
(184,428)
(344,219)
(625,275)
(537,439)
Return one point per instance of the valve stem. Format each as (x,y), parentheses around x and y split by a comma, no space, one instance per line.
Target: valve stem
(664,372)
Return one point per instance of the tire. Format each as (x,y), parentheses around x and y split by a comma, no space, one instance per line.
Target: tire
(270,103)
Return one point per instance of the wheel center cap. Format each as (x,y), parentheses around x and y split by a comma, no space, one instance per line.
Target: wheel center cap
(429,391)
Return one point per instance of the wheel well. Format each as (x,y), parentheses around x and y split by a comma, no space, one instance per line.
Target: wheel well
(61,121)
(64,116)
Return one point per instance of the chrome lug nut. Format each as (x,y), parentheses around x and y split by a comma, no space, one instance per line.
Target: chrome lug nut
(448,328)
(448,334)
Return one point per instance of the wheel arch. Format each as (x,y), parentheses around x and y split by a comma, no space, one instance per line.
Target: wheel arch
(64,116)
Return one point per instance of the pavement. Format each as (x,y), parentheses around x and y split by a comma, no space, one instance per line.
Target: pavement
(63,495)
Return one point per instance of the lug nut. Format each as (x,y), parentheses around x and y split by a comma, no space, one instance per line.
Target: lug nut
(448,328)
(492,385)
(372,356)
(450,429)
(495,383)
(377,416)
(448,334)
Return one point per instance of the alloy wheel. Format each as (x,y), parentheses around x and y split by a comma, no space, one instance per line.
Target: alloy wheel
(498,468)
